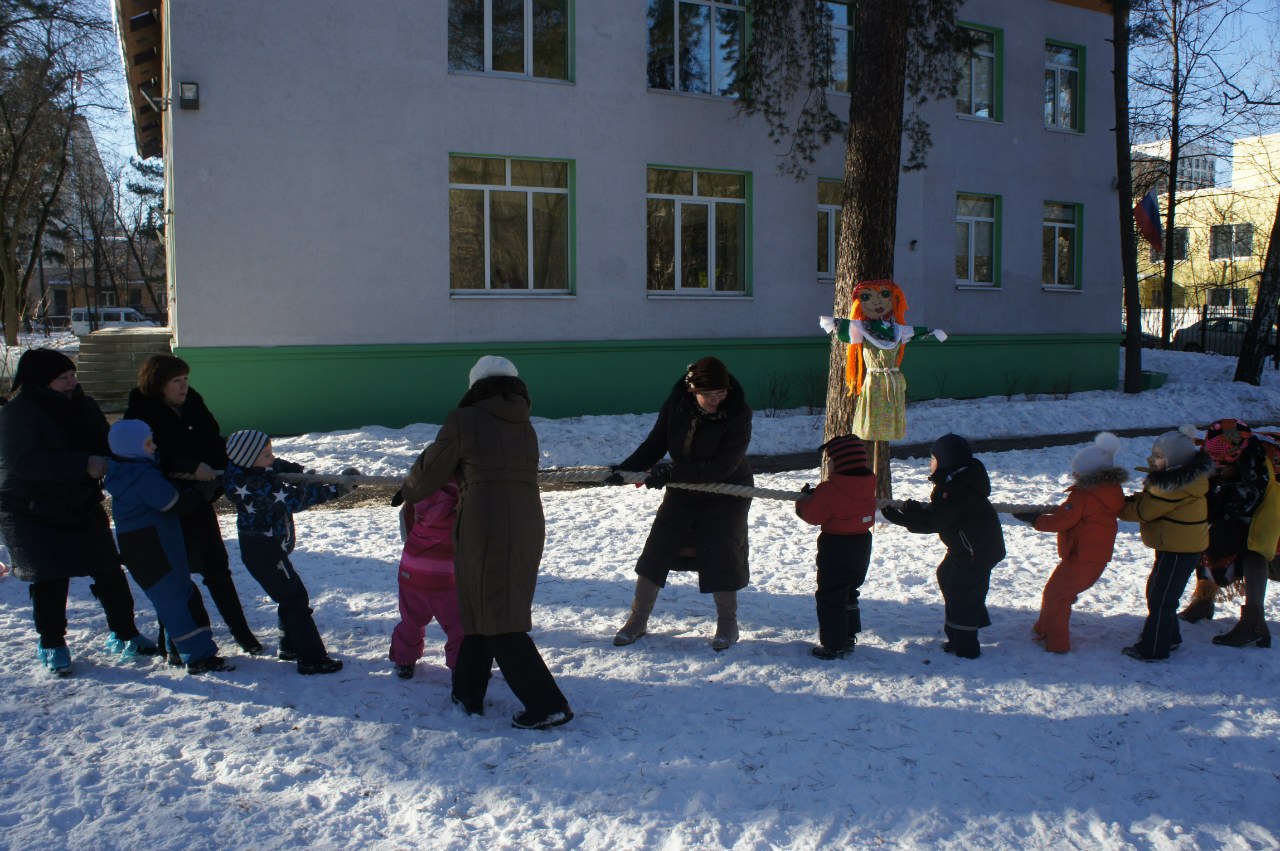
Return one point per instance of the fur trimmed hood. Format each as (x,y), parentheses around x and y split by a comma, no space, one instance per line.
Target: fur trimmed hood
(1177,478)
(1100,478)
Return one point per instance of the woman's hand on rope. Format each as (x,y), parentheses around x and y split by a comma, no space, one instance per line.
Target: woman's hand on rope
(205,473)
(96,467)
(615,476)
(658,477)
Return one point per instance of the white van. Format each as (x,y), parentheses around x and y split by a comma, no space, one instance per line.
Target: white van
(107,317)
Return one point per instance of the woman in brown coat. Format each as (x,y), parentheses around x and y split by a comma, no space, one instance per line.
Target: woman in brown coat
(488,446)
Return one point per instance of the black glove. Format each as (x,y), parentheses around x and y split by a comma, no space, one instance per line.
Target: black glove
(912,505)
(658,477)
(351,471)
(1029,517)
(615,476)
(283,466)
(397,499)
(807,489)
(893,515)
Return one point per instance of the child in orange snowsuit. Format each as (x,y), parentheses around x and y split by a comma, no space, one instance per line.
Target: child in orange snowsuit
(1086,526)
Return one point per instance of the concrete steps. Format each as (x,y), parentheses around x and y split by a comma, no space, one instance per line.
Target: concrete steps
(109,361)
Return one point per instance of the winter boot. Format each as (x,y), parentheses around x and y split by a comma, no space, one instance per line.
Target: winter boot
(1250,629)
(1200,606)
(324,666)
(209,663)
(641,607)
(404,672)
(726,620)
(132,648)
(56,660)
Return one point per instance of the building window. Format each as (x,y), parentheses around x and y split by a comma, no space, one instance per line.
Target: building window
(1235,297)
(841,60)
(527,38)
(1180,238)
(1063,89)
(697,231)
(977,239)
(979,93)
(1228,241)
(695,45)
(830,193)
(1060,245)
(509,223)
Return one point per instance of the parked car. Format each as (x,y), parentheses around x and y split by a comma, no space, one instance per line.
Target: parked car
(1222,335)
(107,317)
(1147,341)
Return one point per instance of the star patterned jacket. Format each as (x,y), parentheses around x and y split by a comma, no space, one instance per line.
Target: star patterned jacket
(265,505)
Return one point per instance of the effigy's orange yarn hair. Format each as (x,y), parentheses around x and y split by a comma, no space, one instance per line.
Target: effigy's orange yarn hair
(854,369)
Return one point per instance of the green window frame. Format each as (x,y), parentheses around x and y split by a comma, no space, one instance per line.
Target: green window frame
(1062,248)
(830,193)
(512,38)
(711,35)
(510,225)
(698,225)
(977,244)
(980,93)
(1064,76)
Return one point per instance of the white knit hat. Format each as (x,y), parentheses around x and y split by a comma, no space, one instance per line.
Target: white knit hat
(243,447)
(1100,456)
(1178,447)
(490,366)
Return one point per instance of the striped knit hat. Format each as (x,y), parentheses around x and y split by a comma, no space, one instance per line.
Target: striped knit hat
(1225,440)
(243,447)
(847,455)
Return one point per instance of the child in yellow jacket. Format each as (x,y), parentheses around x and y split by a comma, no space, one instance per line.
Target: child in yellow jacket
(1173,516)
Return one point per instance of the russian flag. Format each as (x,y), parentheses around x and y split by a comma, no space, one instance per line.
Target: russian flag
(1147,214)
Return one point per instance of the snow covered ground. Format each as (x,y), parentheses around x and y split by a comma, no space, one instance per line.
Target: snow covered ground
(675,746)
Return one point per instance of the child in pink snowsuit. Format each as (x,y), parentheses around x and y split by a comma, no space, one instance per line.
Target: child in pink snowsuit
(427,586)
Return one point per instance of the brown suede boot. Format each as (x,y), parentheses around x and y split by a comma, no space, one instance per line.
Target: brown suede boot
(726,620)
(641,607)
(1250,629)
(1200,606)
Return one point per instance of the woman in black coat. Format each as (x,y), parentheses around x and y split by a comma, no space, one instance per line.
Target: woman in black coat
(188,441)
(53,455)
(705,425)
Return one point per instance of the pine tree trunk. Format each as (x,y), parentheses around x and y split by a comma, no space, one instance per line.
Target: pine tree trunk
(1124,181)
(871,169)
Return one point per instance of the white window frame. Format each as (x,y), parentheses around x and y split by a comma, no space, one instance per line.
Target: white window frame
(1058,228)
(487,59)
(530,191)
(831,60)
(1232,241)
(740,6)
(833,235)
(973,58)
(1058,69)
(710,202)
(969,222)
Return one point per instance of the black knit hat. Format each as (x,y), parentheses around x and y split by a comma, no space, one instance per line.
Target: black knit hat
(847,455)
(952,451)
(707,374)
(39,367)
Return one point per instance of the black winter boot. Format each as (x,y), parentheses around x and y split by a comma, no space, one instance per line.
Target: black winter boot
(1250,629)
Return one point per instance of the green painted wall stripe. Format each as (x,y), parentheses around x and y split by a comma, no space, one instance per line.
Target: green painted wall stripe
(295,389)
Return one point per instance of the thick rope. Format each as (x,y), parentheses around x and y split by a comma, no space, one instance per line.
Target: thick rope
(597,475)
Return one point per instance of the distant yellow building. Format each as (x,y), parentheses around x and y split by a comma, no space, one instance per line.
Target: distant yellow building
(1220,233)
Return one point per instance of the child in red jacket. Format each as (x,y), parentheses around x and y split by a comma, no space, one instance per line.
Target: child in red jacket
(1086,527)
(427,586)
(845,507)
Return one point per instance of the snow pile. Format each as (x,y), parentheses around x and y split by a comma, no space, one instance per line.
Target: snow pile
(674,746)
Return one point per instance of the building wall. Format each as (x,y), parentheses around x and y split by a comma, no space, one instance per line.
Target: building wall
(311,206)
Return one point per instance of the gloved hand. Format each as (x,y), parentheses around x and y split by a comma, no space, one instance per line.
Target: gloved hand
(397,499)
(350,471)
(912,505)
(658,477)
(615,476)
(1028,517)
(893,515)
(204,473)
(806,492)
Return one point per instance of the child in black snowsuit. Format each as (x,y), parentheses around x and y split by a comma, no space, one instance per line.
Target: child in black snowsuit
(845,507)
(264,521)
(960,512)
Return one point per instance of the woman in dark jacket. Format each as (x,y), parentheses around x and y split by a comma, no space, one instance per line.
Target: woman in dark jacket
(705,425)
(488,446)
(188,441)
(53,455)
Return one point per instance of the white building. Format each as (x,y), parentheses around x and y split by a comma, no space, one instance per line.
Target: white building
(369,196)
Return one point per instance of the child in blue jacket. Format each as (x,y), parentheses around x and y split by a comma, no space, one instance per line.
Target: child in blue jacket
(146,511)
(264,521)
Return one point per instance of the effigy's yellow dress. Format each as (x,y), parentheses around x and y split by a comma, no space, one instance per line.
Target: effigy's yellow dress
(881,412)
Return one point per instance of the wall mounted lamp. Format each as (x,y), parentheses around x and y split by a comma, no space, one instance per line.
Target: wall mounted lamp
(189,95)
